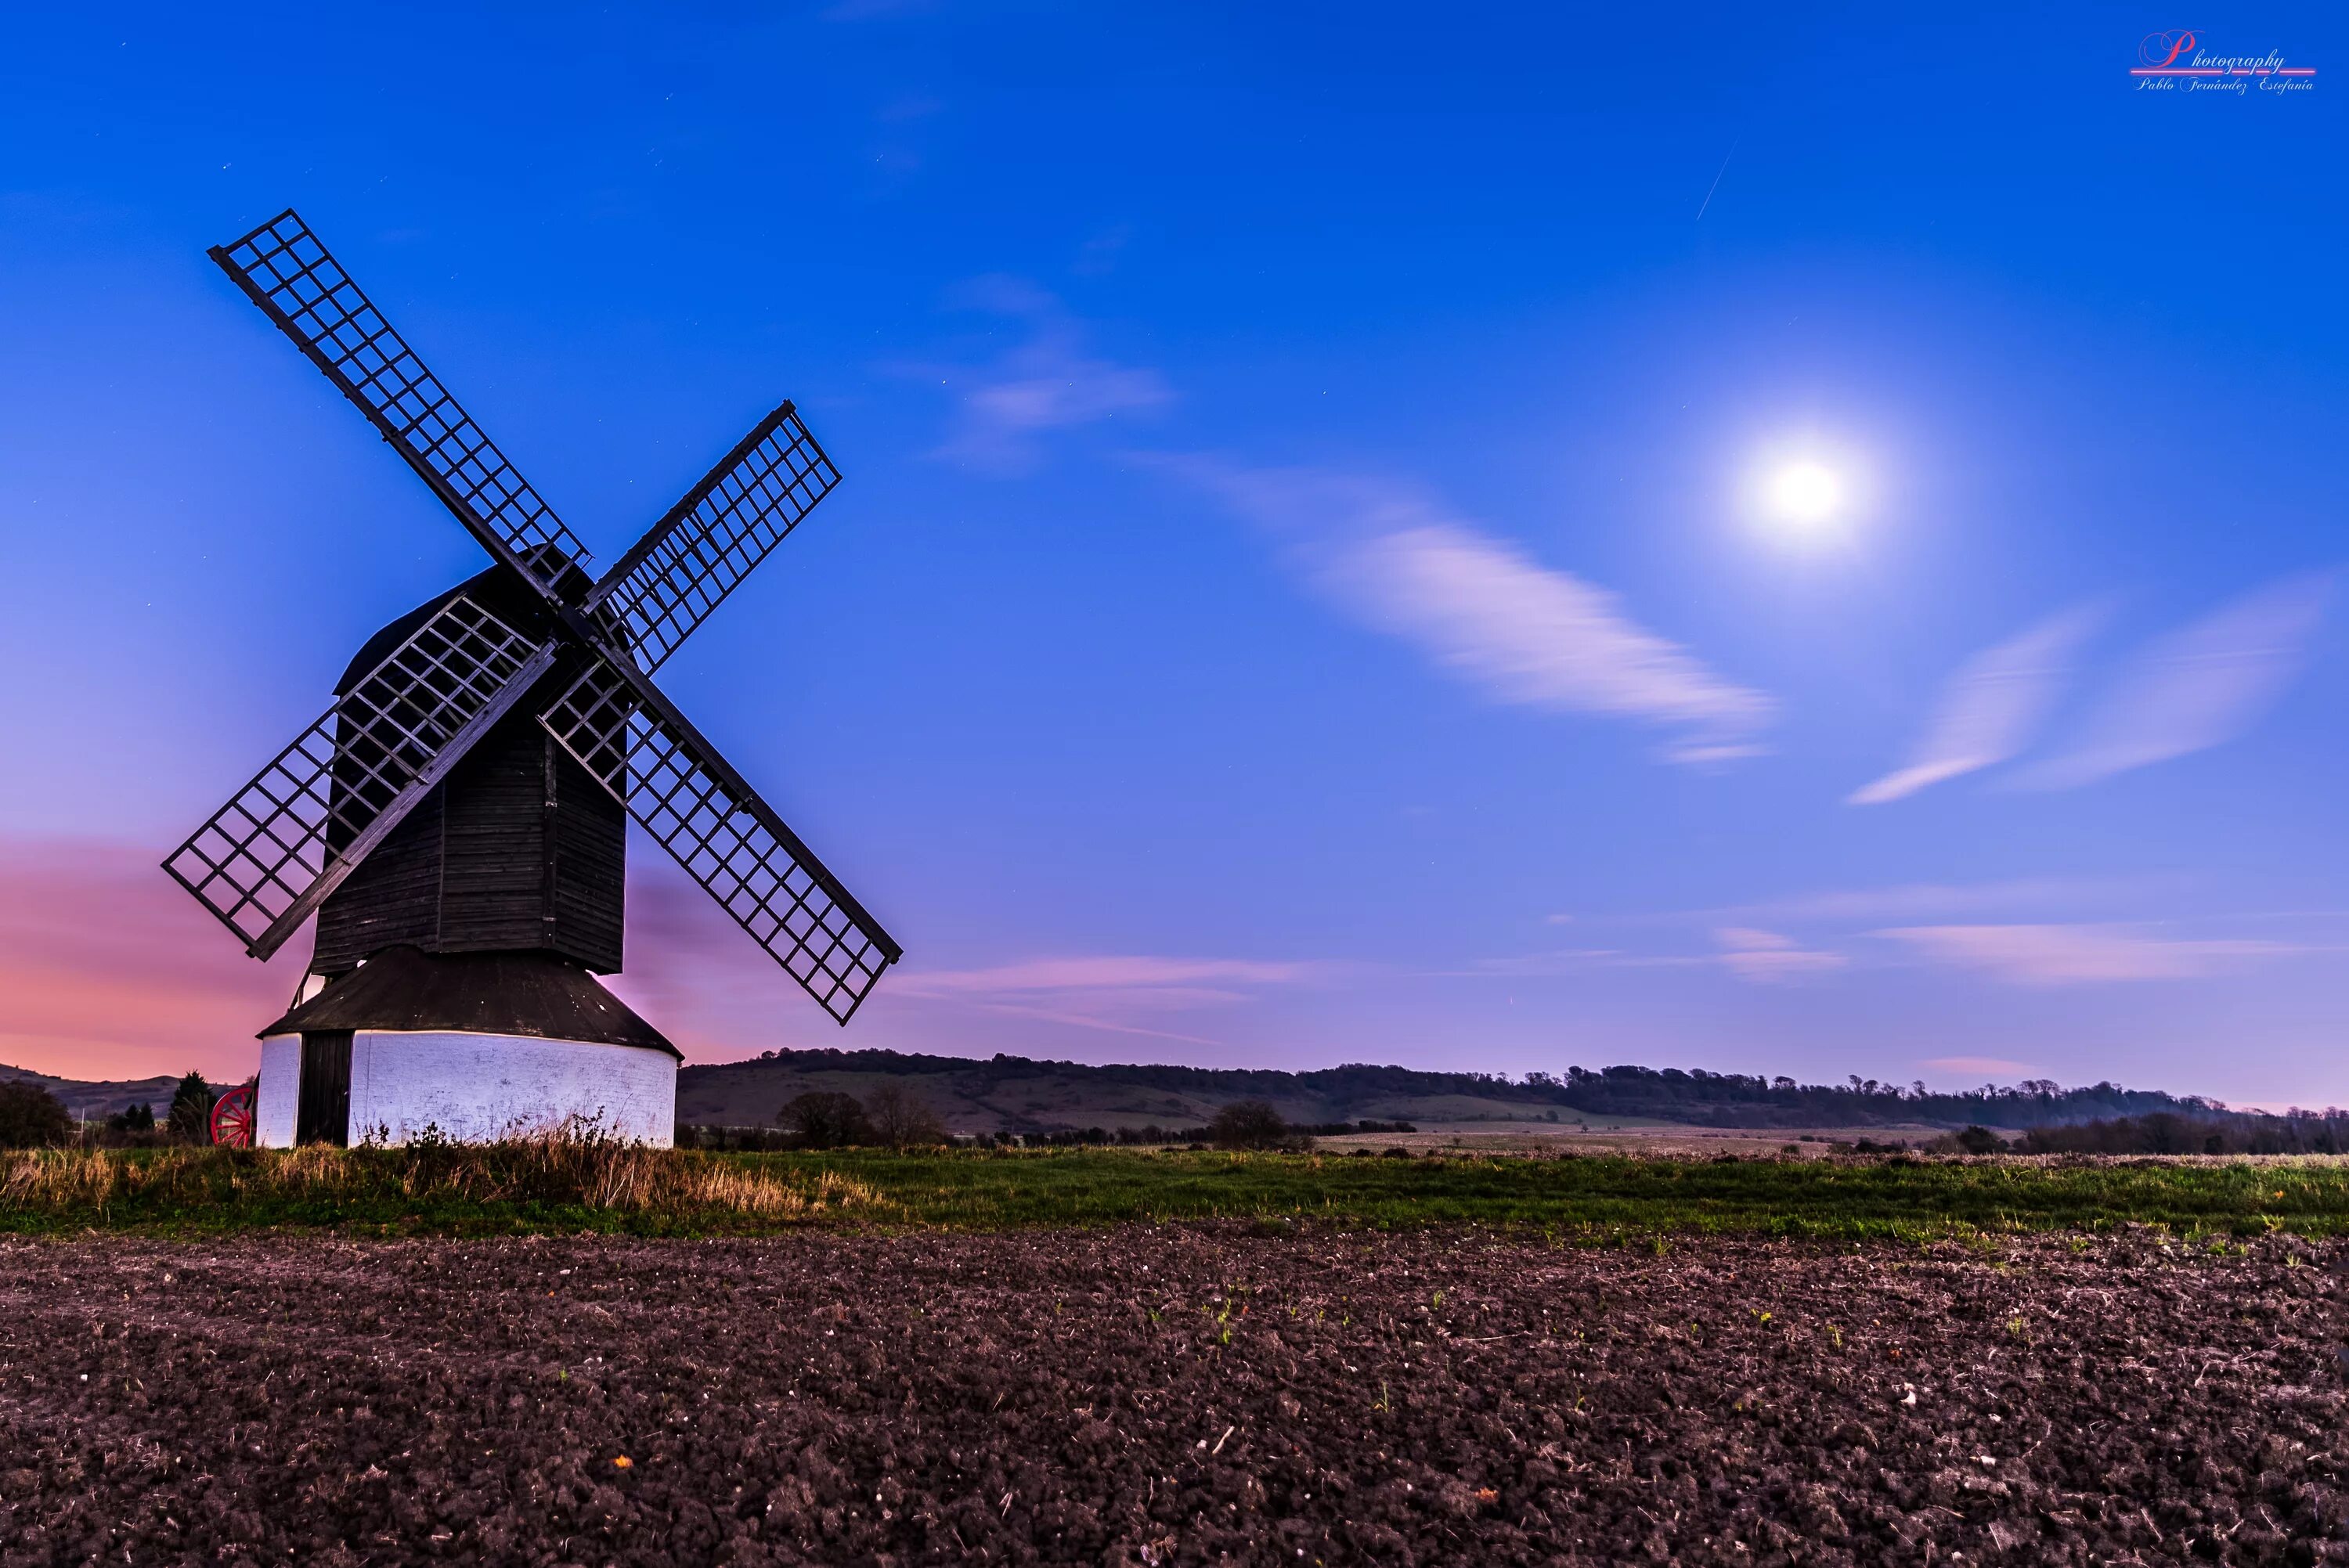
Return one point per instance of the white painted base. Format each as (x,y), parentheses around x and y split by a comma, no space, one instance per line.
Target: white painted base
(280,1091)
(478,1088)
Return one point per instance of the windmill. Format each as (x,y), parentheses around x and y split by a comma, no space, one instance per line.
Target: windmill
(457,819)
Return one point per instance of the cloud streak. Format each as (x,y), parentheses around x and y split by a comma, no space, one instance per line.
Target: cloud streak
(1125,974)
(694,974)
(1771,957)
(1525,634)
(1992,706)
(1108,991)
(1920,900)
(1046,382)
(1750,954)
(2201,687)
(2053,955)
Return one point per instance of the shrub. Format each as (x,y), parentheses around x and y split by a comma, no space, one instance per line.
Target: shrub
(192,1110)
(693,1135)
(902,1119)
(31,1118)
(822,1119)
(1247,1124)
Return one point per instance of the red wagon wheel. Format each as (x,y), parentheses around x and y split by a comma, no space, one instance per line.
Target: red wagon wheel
(232,1115)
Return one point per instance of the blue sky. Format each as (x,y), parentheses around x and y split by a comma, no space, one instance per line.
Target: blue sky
(1305,587)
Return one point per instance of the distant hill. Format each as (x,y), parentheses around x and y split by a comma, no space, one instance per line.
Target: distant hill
(1015,1094)
(95,1101)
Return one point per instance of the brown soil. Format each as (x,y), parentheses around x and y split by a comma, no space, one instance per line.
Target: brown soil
(1185,1396)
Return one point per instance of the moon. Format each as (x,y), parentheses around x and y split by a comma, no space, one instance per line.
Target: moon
(1803,495)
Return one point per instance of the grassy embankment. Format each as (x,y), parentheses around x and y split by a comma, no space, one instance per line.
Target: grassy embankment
(556,1186)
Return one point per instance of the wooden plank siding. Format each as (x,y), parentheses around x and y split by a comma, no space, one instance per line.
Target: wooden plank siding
(589,888)
(519,849)
(393,897)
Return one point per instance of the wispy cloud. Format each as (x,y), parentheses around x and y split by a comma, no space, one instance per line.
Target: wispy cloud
(1121,993)
(1771,957)
(2045,955)
(1573,960)
(2201,685)
(1045,382)
(1992,706)
(1110,992)
(1921,901)
(1152,979)
(1522,632)
(697,976)
(1749,952)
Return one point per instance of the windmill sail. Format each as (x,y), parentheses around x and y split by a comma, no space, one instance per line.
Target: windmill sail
(265,860)
(731,841)
(687,562)
(300,286)
(291,836)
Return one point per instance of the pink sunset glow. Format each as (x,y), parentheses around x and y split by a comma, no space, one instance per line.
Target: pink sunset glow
(109,971)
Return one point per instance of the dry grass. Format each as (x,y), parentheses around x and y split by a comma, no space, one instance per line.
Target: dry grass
(544,1177)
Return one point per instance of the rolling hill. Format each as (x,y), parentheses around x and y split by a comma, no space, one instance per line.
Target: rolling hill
(1017,1094)
(94,1101)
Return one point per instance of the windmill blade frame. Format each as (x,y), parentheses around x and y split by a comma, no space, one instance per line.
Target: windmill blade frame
(620,728)
(288,272)
(715,536)
(299,828)
(267,859)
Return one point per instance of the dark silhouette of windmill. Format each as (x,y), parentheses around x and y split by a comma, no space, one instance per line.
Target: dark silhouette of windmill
(457,820)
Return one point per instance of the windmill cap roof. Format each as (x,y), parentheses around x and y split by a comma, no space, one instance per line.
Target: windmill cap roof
(407,991)
(495,590)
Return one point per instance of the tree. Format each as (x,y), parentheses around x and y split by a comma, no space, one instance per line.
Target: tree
(1980,1140)
(822,1119)
(1247,1124)
(902,1119)
(134,1121)
(192,1109)
(31,1117)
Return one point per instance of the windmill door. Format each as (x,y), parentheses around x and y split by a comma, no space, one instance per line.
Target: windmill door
(323,1112)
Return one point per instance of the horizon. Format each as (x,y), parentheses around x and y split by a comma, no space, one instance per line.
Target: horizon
(1532,1077)
(1352,539)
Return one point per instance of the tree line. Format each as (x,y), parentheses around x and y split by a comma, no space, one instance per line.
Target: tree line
(1674,1094)
(893,1116)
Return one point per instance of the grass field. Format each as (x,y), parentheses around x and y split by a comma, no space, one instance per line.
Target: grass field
(559,1187)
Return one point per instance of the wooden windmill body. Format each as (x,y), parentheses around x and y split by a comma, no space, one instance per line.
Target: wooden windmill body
(457,821)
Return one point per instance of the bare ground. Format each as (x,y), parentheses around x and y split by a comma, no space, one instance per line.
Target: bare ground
(1159,1396)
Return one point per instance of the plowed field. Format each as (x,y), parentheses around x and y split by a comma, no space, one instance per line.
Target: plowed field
(1143,1395)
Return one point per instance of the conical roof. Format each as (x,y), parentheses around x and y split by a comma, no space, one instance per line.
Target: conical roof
(405,990)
